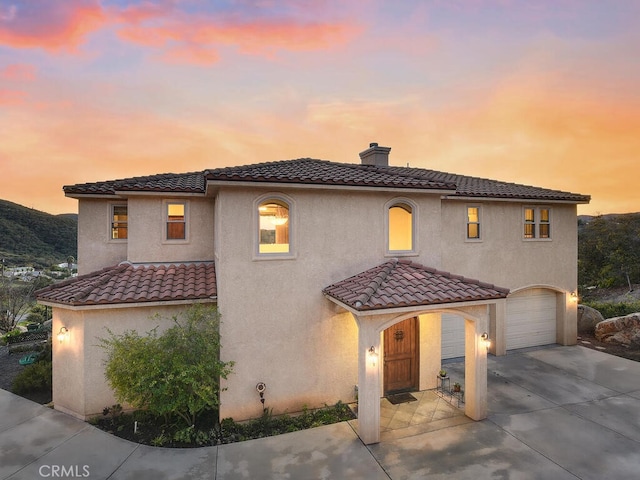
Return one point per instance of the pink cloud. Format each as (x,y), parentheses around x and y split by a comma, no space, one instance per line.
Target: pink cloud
(49,24)
(18,71)
(12,97)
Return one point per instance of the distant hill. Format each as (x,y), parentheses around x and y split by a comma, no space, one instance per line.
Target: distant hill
(609,250)
(31,237)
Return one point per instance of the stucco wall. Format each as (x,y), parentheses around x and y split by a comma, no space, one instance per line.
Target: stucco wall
(96,250)
(79,385)
(147,227)
(276,324)
(502,256)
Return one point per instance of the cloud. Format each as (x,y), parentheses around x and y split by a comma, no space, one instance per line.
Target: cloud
(49,24)
(12,97)
(18,72)
(197,40)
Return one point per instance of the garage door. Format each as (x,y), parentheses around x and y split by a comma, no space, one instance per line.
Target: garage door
(452,336)
(531,319)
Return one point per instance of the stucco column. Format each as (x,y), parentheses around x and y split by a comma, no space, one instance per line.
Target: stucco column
(566,318)
(369,365)
(475,366)
(497,330)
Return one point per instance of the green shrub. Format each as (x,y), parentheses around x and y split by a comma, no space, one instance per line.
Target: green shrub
(175,373)
(610,310)
(34,378)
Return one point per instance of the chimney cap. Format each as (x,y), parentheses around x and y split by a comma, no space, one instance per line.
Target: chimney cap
(373,144)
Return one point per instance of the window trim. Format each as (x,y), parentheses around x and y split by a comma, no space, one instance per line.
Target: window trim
(112,222)
(536,223)
(165,221)
(286,201)
(399,202)
(479,223)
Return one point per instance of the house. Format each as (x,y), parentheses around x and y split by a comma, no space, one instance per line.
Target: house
(335,281)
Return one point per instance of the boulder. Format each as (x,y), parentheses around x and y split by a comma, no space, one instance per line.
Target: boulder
(588,318)
(623,330)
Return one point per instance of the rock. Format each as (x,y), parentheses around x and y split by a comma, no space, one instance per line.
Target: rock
(623,330)
(588,318)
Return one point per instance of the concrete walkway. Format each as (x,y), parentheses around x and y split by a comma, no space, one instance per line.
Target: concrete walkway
(555,413)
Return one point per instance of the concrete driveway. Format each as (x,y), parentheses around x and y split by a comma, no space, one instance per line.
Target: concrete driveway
(555,413)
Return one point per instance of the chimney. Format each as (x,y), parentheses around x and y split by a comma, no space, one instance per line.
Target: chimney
(375,155)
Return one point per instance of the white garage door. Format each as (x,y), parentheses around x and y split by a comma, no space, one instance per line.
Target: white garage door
(531,318)
(452,336)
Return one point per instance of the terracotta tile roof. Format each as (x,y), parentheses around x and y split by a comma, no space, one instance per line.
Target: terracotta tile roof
(323,172)
(307,171)
(128,283)
(402,283)
(193,182)
(481,187)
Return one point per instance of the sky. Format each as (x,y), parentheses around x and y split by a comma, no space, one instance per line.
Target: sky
(541,93)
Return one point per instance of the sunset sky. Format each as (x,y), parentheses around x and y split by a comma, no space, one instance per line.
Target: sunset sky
(535,92)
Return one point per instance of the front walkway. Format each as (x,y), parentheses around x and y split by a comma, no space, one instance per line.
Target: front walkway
(558,412)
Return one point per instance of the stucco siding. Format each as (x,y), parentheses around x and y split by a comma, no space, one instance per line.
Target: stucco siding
(277,325)
(502,256)
(96,250)
(147,231)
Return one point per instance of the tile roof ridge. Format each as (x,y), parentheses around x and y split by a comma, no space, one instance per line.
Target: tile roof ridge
(373,286)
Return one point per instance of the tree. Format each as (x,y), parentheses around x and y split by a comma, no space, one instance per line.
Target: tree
(175,373)
(16,297)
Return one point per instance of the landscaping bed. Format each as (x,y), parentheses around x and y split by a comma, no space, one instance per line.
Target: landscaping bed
(141,427)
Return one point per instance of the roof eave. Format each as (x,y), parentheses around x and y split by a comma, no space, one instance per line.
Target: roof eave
(75,306)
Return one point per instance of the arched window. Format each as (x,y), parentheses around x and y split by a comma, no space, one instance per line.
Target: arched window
(274,225)
(400,227)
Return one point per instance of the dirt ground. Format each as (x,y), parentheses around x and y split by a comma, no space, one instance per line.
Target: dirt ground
(589,341)
(9,368)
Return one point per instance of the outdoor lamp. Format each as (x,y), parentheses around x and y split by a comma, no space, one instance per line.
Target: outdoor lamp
(62,334)
(485,339)
(574,297)
(372,356)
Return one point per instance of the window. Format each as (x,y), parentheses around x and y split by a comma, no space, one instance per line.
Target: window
(537,223)
(400,224)
(119,222)
(273,235)
(176,221)
(473,223)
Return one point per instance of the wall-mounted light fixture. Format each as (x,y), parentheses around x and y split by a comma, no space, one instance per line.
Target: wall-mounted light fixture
(485,339)
(574,297)
(62,334)
(372,356)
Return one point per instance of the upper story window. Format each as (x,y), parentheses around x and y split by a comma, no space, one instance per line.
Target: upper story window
(473,223)
(119,222)
(274,227)
(176,220)
(537,223)
(401,227)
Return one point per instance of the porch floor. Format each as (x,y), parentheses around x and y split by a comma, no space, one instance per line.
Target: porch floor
(430,412)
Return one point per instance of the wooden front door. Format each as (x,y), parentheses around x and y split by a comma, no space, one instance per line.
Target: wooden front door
(401,353)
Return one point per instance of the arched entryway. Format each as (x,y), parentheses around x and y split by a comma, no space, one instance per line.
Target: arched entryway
(398,290)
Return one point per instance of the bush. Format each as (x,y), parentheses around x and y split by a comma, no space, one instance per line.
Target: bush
(175,373)
(34,378)
(610,310)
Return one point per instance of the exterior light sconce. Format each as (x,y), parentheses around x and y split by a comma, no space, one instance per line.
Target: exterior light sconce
(372,356)
(260,388)
(485,339)
(574,297)
(62,334)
